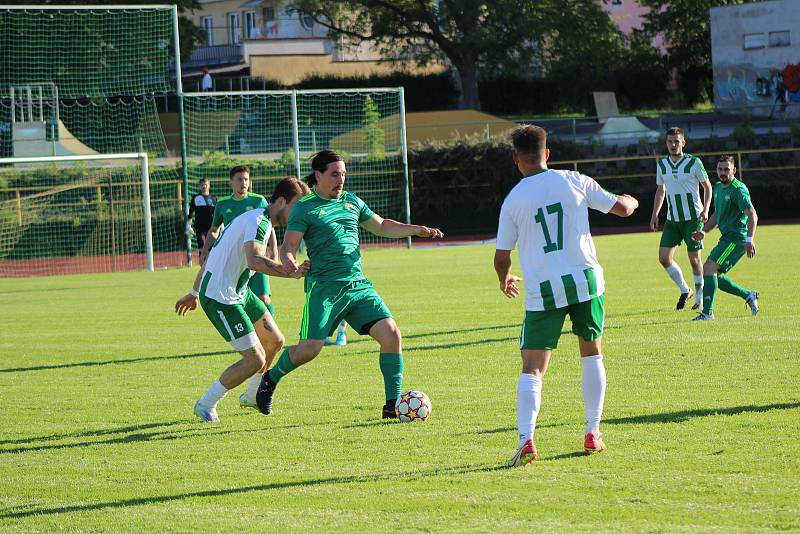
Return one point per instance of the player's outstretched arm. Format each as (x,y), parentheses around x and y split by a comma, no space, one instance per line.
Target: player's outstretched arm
(395,229)
(502,266)
(625,206)
(258,261)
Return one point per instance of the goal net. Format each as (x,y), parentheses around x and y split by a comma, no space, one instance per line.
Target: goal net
(79,214)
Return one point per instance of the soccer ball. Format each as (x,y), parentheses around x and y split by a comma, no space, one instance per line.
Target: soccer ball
(413,405)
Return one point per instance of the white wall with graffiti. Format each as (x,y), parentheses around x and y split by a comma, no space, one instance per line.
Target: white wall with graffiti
(755,52)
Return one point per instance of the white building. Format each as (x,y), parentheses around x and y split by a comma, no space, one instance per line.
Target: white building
(756,57)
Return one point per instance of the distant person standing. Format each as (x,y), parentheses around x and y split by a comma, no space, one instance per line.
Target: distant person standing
(206,84)
(202,207)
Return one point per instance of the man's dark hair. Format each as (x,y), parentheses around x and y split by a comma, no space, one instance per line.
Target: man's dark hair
(320,163)
(675,130)
(288,188)
(727,158)
(201,180)
(529,142)
(238,169)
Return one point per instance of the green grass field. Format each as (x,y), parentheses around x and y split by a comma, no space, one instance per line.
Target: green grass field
(98,378)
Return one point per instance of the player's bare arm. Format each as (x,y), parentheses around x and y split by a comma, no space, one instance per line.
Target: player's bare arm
(707,193)
(272,244)
(258,261)
(625,206)
(710,224)
(395,229)
(752,222)
(658,201)
(289,247)
(211,237)
(189,301)
(508,282)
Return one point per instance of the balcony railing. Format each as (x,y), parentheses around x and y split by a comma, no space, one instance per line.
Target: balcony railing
(207,56)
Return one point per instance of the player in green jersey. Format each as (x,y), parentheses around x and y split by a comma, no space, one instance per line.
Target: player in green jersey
(329,219)
(228,208)
(736,218)
(220,287)
(679,178)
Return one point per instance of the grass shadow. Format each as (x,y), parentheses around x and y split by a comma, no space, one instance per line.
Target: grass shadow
(114,362)
(685,415)
(308,483)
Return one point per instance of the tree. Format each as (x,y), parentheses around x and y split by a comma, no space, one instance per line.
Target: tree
(189,33)
(686,27)
(467,33)
(373,133)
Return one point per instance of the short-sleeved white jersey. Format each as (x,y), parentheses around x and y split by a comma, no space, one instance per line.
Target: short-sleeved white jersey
(681,184)
(547,215)
(226,272)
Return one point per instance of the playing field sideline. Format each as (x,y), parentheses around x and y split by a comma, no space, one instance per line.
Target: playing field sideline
(98,378)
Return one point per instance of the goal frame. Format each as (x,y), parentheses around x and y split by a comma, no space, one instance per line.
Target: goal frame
(145,176)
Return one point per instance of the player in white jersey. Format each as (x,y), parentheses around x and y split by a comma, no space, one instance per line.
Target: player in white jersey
(679,177)
(221,288)
(547,216)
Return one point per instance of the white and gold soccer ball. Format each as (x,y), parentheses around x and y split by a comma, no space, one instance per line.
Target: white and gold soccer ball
(413,405)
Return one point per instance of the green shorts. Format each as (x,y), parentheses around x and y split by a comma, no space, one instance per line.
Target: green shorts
(542,329)
(234,322)
(259,284)
(726,254)
(675,233)
(327,303)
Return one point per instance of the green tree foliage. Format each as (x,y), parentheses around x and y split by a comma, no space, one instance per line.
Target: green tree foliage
(374,135)
(189,33)
(686,27)
(468,34)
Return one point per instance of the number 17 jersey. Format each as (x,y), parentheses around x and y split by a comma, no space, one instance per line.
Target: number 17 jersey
(547,216)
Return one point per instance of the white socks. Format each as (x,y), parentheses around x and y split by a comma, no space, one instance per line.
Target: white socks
(252,385)
(213,395)
(529,398)
(674,272)
(698,289)
(594,390)
(343,326)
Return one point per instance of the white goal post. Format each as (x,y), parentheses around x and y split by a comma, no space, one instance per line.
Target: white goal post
(17,201)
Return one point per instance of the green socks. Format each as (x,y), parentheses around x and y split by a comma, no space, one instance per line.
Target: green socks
(729,286)
(282,368)
(709,292)
(271,309)
(392,370)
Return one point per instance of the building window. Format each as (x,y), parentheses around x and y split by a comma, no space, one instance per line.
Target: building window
(616,2)
(208,27)
(250,26)
(779,38)
(234,29)
(269,14)
(306,21)
(753,41)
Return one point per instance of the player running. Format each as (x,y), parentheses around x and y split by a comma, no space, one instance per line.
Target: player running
(737,220)
(547,215)
(328,220)
(679,177)
(241,200)
(221,288)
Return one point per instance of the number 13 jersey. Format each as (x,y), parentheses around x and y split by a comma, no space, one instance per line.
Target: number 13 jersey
(547,215)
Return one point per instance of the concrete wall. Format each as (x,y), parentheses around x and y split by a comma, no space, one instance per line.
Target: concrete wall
(756,76)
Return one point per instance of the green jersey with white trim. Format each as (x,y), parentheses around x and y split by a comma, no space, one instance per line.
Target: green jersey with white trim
(228,208)
(681,184)
(730,201)
(330,230)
